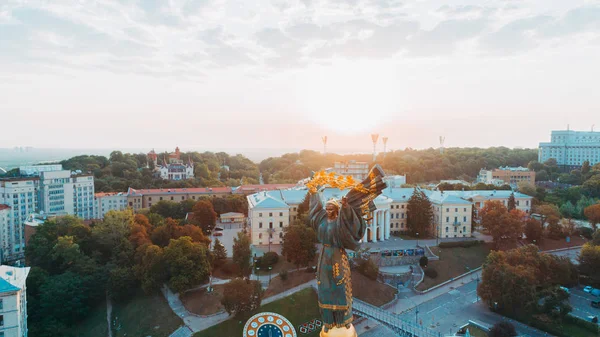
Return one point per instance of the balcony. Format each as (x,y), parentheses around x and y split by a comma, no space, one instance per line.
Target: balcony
(457,223)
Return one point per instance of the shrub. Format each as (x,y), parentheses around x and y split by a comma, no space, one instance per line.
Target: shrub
(591,326)
(585,231)
(267,260)
(283,275)
(502,329)
(465,244)
(431,273)
(423,261)
(230,268)
(241,296)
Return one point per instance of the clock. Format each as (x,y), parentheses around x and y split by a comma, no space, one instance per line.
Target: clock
(268,324)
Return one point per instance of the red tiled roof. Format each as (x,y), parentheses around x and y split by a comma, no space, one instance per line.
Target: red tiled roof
(106,194)
(193,190)
(2,207)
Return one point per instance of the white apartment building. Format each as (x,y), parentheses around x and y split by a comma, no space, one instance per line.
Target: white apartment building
(13,301)
(395,180)
(451,215)
(35,170)
(4,238)
(105,202)
(268,217)
(571,148)
(358,170)
(21,196)
(61,193)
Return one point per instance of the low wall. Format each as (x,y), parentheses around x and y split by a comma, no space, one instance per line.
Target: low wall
(446,282)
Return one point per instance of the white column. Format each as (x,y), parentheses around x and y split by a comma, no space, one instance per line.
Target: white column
(364,239)
(387,224)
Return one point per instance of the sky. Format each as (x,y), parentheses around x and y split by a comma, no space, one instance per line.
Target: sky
(281,74)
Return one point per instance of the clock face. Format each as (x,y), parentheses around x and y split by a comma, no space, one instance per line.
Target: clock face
(268,324)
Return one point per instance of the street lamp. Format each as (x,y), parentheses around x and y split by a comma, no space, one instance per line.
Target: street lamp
(417,239)
(270,274)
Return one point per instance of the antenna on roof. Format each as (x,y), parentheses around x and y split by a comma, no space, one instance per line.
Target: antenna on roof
(324,140)
(374,138)
(568,127)
(593,127)
(384,139)
(442,141)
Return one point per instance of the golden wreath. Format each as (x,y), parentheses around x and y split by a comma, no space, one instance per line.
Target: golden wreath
(332,180)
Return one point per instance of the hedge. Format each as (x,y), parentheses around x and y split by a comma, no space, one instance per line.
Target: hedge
(465,244)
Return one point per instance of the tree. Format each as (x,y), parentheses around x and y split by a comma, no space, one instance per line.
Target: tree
(423,261)
(527,188)
(219,253)
(533,230)
(187,263)
(545,211)
(592,213)
(500,223)
(512,204)
(419,213)
(596,238)
(589,260)
(150,268)
(205,215)
(502,329)
(568,210)
(585,167)
(299,245)
(241,295)
(555,230)
(242,253)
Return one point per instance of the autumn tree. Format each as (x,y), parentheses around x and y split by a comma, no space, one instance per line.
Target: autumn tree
(299,245)
(527,188)
(512,204)
(555,230)
(241,295)
(533,230)
(242,253)
(419,213)
(205,215)
(150,267)
(187,263)
(589,260)
(592,213)
(545,211)
(502,329)
(502,224)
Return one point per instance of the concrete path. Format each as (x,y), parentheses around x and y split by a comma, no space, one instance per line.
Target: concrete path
(108,314)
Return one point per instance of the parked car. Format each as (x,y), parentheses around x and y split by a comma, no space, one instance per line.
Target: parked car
(595,292)
(218,234)
(565,289)
(596,304)
(588,289)
(593,319)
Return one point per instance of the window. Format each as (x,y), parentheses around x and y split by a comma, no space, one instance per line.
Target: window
(397,215)
(270,214)
(280,224)
(518,202)
(280,213)
(260,225)
(402,215)
(465,209)
(446,229)
(260,235)
(455,228)
(182,198)
(456,209)
(270,225)
(447,210)
(194,197)
(455,219)
(171,198)
(464,219)
(280,235)
(1,320)
(294,209)
(1,305)
(260,215)
(149,198)
(402,206)
(464,229)
(160,198)
(447,219)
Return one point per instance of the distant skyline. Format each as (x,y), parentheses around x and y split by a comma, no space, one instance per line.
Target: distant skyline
(278,74)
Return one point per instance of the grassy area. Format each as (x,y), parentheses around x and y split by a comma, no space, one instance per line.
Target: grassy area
(294,279)
(94,325)
(549,244)
(143,316)
(568,328)
(297,308)
(453,262)
(476,332)
(283,264)
(370,291)
(202,303)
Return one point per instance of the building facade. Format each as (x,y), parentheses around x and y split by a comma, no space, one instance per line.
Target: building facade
(172,168)
(145,198)
(62,193)
(451,215)
(506,175)
(4,238)
(358,170)
(268,217)
(112,201)
(571,148)
(20,194)
(35,170)
(13,301)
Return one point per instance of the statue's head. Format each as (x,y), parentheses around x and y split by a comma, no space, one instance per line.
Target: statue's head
(332,207)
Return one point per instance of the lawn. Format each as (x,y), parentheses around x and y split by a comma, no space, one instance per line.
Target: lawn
(297,308)
(283,264)
(294,279)
(550,244)
(202,303)
(94,325)
(453,262)
(144,315)
(373,292)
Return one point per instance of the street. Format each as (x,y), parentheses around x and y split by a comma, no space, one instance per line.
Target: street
(581,303)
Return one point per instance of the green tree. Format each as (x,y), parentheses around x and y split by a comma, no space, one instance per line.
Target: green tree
(512,204)
(502,329)
(205,215)
(299,245)
(219,253)
(65,298)
(242,253)
(419,213)
(527,188)
(568,210)
(241,295)
(187,263)
(150,268)
(585,168)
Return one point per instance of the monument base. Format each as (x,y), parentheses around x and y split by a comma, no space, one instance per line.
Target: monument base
(339,332)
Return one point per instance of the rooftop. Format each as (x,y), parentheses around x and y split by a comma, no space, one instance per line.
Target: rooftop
(291,196)
(232,214)
(440,197)
(193,190)
(265,200)
(3,207)
(12,278)
(108,194)
(507,168)
(249,189)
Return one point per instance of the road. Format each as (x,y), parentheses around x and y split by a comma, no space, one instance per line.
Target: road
(581,303)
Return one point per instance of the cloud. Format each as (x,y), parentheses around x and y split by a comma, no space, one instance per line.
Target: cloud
(445,36)
(516,36)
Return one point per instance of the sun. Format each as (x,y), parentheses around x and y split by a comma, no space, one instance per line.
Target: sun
(348,98)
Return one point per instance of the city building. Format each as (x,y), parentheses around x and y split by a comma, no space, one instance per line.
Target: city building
(145,198)
(4,237)
(395,180)
(251,189)
(20,194)
(13,301)
(398,207)
(478,198)
(268,217)
(111,201)
(232,217)
(174,168)
(506,175)
(358,170)
(66,193)
(451,214)
(571,148)
(31,224)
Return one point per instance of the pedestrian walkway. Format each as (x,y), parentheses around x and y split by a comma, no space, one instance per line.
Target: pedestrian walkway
(183,331)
